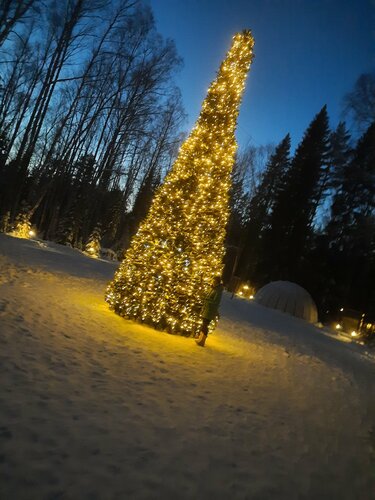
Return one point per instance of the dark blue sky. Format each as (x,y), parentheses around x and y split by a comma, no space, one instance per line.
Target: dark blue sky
(307,53)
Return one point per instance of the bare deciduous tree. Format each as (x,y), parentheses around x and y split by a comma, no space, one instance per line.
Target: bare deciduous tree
(11,13)
(359,104)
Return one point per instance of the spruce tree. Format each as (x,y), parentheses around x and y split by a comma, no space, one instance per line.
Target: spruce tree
(238,201)
(261,206)
(93,245)
(22,224)
(340,164)
(351,229)
(355,191)
(293,213)
(179,247)
(5,222)
(340,154)
(144,198)
(322,260)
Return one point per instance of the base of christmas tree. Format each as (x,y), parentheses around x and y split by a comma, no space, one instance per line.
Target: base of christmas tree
(163,325)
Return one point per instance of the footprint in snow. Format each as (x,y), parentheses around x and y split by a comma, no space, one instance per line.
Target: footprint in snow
(3,306)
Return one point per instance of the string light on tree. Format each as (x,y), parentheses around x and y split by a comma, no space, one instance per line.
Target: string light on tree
(179,247)
(93,246)
(22,225)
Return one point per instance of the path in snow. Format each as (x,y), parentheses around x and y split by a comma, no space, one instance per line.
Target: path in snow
(96,407)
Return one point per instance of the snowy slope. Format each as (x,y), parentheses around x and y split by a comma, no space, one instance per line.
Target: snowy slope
(96,407)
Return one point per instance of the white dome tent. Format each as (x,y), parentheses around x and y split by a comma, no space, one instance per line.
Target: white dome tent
(288,297)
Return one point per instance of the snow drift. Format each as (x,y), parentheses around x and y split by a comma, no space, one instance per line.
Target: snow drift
(96,407)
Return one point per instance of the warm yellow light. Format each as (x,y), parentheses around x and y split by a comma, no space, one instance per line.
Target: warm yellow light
(31,233)
(338,326)
(251,296)
(22,230)
(341,309)
(354,334)
(179,248)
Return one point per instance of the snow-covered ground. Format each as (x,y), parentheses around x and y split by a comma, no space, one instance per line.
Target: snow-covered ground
(96,407)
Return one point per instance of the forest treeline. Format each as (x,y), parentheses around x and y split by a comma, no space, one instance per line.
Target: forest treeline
(90,122)
(310,218)
(89,115)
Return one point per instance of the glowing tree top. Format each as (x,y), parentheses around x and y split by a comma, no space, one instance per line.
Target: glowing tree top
(179,247)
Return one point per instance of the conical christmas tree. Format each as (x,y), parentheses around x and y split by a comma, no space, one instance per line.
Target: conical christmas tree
(93,245)
(179,247)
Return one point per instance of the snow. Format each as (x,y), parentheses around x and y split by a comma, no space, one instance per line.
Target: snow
(96,407)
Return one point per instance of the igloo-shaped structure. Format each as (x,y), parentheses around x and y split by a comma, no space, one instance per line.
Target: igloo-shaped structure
(288,297)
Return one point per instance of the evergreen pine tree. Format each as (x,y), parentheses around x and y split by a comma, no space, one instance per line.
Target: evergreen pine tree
(113,217)
(65,230)
(93,246)
(261,206)
(144,198)
(294,210)
(340,154)
(238,201)
(5,222)
(69,229)
(22,224)
(179,247)
(320,272)
(84,170)
(351,229)
(355,194)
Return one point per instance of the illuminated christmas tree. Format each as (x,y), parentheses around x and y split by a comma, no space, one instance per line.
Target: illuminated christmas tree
(93,246)
(22,224)
(179,247)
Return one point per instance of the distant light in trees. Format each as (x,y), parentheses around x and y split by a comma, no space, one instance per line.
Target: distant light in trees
(245,291)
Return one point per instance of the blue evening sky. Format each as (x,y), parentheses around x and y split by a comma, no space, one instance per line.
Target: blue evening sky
(307,53)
